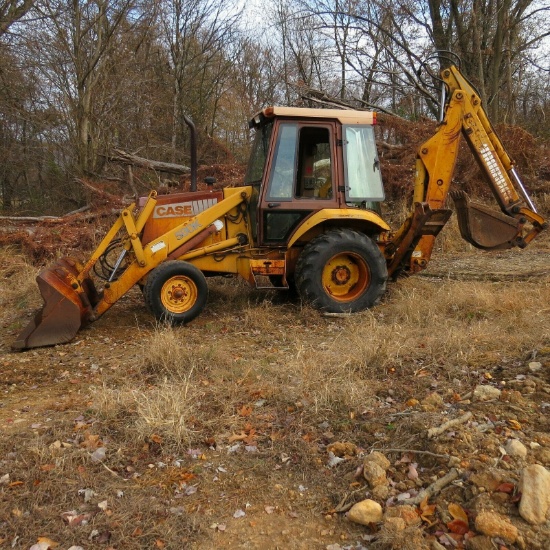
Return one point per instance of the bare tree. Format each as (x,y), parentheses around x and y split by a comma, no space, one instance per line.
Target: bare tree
(74,59)
(12,11)
(197,33)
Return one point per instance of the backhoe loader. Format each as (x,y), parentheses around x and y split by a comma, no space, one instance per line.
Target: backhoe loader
(308,216)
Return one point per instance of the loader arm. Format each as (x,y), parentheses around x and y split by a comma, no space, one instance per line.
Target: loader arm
(517,223)
(71,300)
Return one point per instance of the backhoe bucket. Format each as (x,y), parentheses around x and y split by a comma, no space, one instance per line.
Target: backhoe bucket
(65,310)
(483,227)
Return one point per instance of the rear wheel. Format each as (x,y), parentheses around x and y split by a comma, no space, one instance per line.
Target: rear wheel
(341,271)
(176,292)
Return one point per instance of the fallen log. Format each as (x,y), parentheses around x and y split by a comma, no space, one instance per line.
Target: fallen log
(124,157)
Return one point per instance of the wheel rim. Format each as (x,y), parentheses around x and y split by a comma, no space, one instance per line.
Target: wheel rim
(346,276)
(178,294)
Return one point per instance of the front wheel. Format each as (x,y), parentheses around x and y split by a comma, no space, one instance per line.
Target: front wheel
(176,292)
(341,271)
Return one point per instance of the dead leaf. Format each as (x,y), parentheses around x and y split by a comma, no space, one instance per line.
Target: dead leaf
(104,537)
(240,437)
(506,488)
(47,467)
(45,540)
(514,424)
(412,473)
(74,518)
(156,439)
(274,436)
(210,442)
(160,543)
(245,411)
(458,512)
(458,527)
(15,484)
(426,510)
(251,437)
(91,441)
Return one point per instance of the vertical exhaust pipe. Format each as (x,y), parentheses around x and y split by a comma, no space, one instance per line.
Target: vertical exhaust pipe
(193,130)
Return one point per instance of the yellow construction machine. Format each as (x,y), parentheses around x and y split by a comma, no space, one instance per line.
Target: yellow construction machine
(308,216)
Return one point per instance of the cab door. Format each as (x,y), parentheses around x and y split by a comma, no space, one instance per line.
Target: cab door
(301,178)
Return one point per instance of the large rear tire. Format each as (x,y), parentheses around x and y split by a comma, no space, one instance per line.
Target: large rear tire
(341,271)
(176,292)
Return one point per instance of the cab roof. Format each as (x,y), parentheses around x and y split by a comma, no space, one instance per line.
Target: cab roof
(344,116)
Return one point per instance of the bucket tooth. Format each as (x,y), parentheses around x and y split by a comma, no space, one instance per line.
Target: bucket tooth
(483,227)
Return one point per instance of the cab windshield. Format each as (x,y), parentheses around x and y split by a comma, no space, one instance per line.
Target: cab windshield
(258,155)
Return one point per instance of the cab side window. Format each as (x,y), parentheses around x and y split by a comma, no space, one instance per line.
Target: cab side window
(281,179)
(314,177)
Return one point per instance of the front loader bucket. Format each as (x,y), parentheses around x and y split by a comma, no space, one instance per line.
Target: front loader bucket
(65,310)
(483,227)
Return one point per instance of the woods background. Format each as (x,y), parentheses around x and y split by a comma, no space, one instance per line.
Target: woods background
(81,78)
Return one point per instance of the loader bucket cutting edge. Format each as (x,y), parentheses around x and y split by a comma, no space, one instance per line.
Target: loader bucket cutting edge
(483,227)
(63,312)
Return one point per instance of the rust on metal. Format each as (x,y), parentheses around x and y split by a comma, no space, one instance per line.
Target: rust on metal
(66,309)
(268,267)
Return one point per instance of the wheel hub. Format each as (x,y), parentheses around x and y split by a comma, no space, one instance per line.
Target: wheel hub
(345,276)
(341,275)
(178,294)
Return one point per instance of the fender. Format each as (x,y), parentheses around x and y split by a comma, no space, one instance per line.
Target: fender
(332,214)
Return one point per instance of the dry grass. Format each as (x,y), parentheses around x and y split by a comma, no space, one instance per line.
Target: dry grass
(17,277)
(324,367)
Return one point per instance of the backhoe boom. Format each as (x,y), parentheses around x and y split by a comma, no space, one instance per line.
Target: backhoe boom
(517,224)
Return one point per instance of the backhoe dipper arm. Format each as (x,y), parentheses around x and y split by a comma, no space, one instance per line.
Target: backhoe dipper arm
(411,246)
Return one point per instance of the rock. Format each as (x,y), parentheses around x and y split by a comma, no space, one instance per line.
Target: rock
(407,513)
(535,366)
(485,393)
(481,542)
(380,492)
(534,485)
(379,458)
(341,449)
(453,461)
(496,525)
(515,448)
(365,512)
(374,474)
(488,479)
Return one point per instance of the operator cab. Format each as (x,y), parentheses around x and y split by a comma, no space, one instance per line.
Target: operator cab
(306,160)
